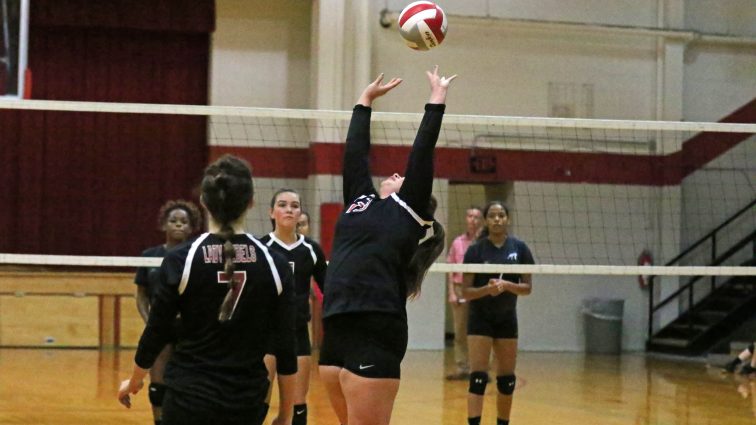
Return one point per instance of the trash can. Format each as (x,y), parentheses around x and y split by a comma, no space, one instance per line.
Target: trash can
(603,325)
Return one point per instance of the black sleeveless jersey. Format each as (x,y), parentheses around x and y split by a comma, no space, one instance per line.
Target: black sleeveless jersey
(222,363)
(514,251)
(376,238)
(308,262)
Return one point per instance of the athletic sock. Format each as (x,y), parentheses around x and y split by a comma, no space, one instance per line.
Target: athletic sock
(473,421)
(500,421)
(300,414)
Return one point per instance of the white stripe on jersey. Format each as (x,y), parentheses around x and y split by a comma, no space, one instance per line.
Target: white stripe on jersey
(420,221)
(189,260)
(312,251)
(273,269)
(300,241)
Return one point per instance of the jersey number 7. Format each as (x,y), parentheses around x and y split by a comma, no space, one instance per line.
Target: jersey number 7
(241,281)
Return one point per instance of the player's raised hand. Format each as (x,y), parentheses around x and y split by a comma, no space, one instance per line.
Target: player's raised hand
(377,89)
(439,85)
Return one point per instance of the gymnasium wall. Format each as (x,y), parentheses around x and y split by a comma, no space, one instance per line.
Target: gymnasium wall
(715,192)
(506,70)
(261,54)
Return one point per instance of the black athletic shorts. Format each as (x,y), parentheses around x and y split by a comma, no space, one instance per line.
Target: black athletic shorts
(182,410)
(371,345)
(502,325)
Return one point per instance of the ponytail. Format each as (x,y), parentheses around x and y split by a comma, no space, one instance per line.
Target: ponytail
(229,267)
(227,191)
(425,255)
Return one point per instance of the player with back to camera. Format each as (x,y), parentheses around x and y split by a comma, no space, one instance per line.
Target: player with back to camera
(233,295)
(177,219)
(493,315)
(375,265)
(307,262)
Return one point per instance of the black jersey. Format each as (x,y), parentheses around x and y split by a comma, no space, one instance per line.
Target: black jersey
(514,251)
(148,277)
(376,238)
(222,363)
(308,262)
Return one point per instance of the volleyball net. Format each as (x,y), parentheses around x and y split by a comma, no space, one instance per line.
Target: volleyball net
(582,192)
(589,197)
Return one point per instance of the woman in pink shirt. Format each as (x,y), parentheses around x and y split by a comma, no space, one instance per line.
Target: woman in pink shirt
(473,220)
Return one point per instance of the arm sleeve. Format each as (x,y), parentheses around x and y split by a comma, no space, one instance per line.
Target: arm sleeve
(285,317)
(356,167)
(319,271)
(418,177)
(160,325)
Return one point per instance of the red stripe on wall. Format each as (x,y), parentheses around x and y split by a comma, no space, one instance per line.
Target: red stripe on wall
(270,162)
(453,164)
(705,147)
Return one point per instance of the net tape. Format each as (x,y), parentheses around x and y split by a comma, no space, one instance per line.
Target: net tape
(152,108)
(552,269)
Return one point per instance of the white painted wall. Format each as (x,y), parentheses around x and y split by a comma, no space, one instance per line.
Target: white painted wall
(261,54)
(618,12)
(718,80)
(505,71)
(736,17)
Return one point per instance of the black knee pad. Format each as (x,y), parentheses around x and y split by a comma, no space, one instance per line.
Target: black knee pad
(750,348)
(156,393)
(478,382)
(506,384)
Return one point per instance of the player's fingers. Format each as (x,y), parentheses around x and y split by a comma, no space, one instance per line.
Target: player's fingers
(125,400)
(379,79)
(394,82)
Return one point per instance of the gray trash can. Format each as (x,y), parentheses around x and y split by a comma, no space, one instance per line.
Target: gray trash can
(603,325)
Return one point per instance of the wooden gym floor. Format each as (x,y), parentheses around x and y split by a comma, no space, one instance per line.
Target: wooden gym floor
(66,386)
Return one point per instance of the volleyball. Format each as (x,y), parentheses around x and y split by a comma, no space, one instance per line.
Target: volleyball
(422,24)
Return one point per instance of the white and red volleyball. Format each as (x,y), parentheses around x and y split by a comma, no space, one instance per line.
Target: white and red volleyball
(422,24)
